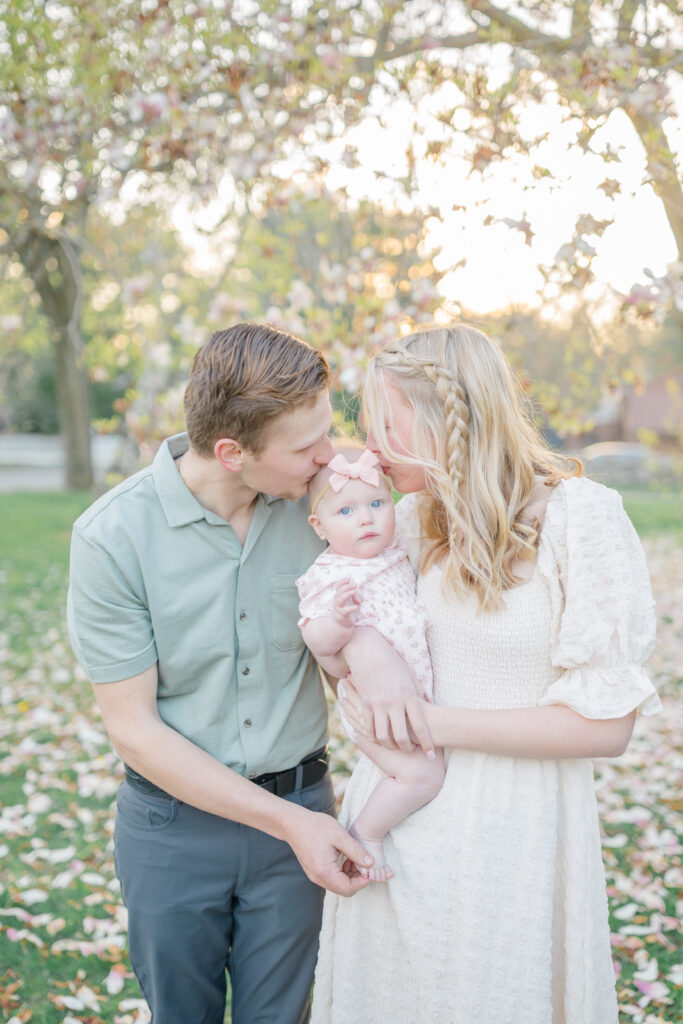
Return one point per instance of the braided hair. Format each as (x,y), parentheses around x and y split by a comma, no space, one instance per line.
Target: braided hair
(482,455)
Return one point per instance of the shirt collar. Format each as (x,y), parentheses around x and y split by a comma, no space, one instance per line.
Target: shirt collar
(177,500)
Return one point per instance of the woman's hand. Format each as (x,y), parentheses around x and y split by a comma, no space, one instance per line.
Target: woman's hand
(386,688)
(361,720)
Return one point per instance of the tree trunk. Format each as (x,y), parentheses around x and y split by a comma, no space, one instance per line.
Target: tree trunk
(661,164)
(74,411)
(53,266)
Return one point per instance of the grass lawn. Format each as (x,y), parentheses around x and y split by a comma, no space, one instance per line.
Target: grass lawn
(654,512)
(62,928)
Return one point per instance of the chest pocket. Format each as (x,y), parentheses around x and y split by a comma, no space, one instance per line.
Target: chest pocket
(284,613)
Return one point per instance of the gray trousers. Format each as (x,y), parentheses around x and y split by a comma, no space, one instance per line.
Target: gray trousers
(205,895)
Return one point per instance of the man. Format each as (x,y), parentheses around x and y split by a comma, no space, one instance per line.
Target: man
(183,612)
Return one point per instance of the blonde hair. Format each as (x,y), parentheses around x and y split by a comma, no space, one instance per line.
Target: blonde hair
(475,439)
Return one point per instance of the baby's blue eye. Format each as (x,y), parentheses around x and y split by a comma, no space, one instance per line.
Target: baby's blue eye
(344,511)
(377,503)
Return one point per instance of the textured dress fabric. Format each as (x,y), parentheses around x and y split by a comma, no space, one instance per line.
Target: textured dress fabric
(497,913)
(386,590)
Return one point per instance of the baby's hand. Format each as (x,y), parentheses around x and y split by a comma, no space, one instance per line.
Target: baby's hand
(345,607)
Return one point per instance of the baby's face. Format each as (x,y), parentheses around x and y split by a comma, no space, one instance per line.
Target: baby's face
(359,521)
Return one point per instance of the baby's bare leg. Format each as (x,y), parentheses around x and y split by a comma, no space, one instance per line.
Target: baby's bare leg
(412,781)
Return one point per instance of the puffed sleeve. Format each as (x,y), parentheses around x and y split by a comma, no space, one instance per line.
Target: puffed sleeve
(603,620)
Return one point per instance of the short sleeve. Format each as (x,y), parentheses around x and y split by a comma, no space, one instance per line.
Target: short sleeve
(408,527)
(109,623)
(603,620)
(316,593)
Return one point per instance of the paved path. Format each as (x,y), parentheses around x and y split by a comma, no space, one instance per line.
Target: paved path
(35,462)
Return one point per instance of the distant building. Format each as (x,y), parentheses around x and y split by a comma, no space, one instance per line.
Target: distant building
(638,413)
(656,406)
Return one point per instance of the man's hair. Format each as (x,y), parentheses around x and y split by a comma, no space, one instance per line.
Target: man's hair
(243,378)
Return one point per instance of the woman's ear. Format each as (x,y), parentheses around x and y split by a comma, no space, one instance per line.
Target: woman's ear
(229,453)
(315,523)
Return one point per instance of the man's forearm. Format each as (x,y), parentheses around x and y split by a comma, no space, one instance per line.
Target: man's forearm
(178,766)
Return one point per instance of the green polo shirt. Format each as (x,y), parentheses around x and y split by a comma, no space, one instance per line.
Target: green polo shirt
(155,577)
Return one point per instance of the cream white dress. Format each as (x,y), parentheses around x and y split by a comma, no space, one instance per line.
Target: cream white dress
(497,913)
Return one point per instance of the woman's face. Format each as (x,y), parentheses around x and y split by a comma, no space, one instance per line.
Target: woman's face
(398,427)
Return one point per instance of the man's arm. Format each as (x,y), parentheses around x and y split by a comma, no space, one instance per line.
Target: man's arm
(175,764)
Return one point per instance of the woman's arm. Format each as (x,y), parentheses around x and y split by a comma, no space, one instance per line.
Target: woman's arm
(550,732)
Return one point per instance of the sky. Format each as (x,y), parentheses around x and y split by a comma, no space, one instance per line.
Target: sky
(487,264)
(501,269)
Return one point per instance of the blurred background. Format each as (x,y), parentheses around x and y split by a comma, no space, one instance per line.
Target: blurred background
(348,171)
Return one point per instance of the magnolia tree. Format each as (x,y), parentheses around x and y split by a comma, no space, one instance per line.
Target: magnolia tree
(346,276)
(122,103)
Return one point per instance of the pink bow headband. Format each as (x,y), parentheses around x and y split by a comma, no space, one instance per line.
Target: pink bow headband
(362,469)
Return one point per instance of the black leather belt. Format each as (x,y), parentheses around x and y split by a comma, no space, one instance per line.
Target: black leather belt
(310,770)
(306,773)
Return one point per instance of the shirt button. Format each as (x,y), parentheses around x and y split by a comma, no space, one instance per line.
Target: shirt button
(245,670)
(243,616)
(247,723)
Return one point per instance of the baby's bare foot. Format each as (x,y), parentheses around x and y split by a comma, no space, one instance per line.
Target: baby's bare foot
(380,870)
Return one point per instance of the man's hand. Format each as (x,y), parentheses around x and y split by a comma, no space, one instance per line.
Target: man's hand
(322,847)
(385,685)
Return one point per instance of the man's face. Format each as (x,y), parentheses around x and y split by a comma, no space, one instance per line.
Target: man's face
(296,446)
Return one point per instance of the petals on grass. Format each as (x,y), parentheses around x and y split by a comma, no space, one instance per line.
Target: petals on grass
(617,841)
(115,979)
(39,803)
(649,971)
(88,998)
(675,975)
(31,896)
(24,935)
(627,912)
(652,990)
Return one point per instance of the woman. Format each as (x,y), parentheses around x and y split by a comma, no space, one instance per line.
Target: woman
(541,617)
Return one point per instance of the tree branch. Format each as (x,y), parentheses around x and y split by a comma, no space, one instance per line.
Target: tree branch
(515,31)
(627,13)
(519,32)
(661,164)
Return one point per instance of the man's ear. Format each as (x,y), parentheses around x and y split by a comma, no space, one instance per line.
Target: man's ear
(315,523)
(229,453)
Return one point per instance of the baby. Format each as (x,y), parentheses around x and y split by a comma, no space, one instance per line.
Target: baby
(364,578)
